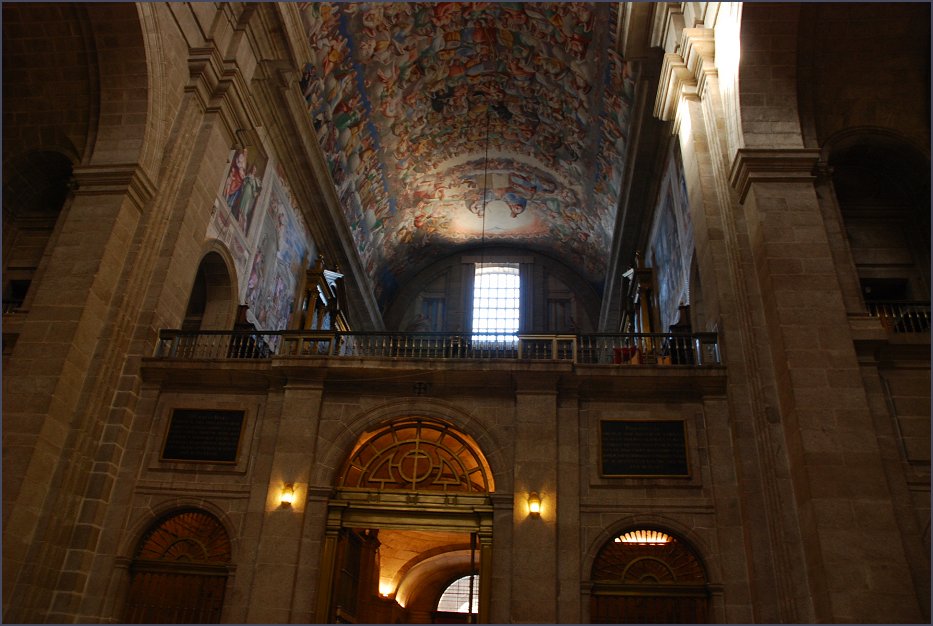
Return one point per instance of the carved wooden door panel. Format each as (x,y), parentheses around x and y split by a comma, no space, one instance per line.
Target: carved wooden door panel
(179,573)
(175,598)
(647,609)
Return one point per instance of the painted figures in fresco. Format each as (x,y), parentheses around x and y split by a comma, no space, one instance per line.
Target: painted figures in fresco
(267,237)
(284,247)
(241,189)
(400,93)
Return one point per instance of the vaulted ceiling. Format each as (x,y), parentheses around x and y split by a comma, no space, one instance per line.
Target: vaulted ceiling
(450,125)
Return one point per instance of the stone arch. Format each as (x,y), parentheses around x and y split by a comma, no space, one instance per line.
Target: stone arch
(128,75)
(213,298)
(880,78)
(145,520)
(337,450)
(61,113)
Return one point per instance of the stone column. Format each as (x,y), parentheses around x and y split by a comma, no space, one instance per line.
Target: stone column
(534,540)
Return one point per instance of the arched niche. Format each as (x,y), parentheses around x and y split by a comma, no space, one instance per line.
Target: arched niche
(179,570)
(212,302)
(646,574)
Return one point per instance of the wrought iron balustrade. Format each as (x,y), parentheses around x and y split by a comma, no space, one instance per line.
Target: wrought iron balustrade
(902,316)
(695,349)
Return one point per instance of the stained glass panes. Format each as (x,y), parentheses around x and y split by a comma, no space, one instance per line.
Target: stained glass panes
(496,289)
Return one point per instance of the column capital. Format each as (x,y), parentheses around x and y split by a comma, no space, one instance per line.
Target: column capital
(772,165)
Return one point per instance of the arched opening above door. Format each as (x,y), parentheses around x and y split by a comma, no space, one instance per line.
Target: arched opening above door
(417,454)
(646,575)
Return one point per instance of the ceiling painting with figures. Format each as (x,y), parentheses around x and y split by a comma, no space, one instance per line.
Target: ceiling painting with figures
(447,125)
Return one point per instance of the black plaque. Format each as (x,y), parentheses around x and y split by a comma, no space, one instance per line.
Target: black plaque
(643,448)
(203,435)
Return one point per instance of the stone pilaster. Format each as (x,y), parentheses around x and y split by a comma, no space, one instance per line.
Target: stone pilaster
(845,513)
(279,552)
(534,562)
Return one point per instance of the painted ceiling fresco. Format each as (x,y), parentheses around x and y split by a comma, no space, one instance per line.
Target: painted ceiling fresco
(414,102)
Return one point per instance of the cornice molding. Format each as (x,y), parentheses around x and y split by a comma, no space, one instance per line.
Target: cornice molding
(129,179)
(684,73)
(219,87)
(772,165)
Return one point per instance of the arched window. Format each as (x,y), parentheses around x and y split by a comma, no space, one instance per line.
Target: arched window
(461,596)
(645,575)
(179,572)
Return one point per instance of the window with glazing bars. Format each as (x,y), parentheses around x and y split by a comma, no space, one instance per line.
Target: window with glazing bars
(456,598)
(496,289)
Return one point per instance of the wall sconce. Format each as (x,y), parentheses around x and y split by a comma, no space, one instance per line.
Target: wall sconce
(288,495)
(534,504)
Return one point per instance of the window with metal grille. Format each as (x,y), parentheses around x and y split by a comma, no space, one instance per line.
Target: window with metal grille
(456,598)
(496,289)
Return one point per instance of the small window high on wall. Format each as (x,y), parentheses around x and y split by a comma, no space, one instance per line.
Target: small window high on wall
(496,290)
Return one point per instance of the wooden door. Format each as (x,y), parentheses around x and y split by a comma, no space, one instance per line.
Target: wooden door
(175,598)
(179,573)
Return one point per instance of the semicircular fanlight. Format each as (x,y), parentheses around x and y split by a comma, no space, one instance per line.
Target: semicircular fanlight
(417,454)
(190,537)
(647,556)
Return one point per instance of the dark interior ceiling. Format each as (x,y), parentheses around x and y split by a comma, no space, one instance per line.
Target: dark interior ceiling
(451,125)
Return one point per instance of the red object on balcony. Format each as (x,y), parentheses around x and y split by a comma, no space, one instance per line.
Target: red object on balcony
(623,355)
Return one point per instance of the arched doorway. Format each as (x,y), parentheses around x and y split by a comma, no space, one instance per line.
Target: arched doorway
(647,576)
(410,514)
(179,572)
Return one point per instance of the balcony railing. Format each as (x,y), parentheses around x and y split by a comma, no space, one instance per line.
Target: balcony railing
(902,316)
(696,349)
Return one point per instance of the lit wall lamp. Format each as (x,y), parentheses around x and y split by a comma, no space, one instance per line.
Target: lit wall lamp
(287,498)
(534,504)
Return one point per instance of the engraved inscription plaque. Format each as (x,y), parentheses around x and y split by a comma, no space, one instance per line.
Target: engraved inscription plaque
(643,448)
(203,435)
